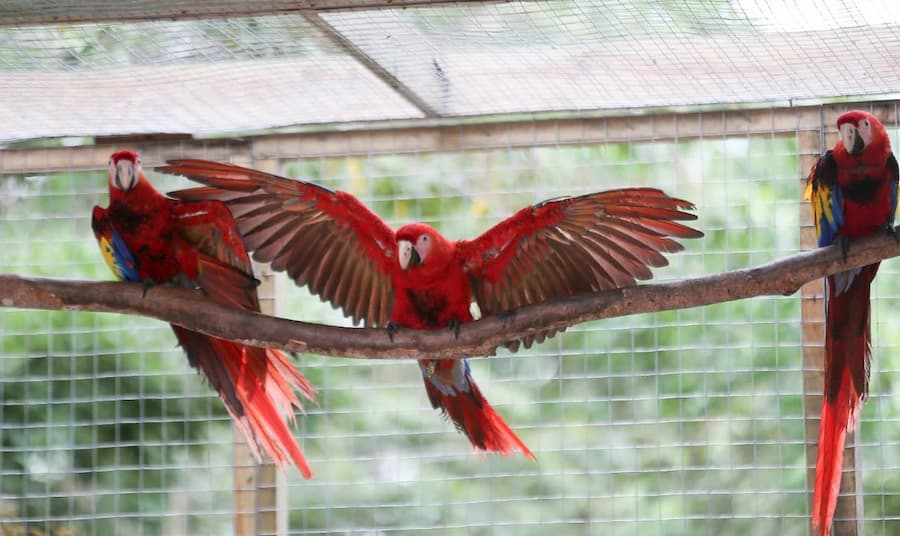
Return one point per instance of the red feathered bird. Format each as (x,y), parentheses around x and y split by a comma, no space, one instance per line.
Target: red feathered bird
(853,193)
(147,237)
(416,278)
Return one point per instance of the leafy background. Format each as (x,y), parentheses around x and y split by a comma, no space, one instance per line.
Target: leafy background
(680,422)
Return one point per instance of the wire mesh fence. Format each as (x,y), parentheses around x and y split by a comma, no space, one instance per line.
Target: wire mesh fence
(679,422)
(298,63)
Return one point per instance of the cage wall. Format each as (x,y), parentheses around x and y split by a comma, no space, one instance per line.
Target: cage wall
(679,422)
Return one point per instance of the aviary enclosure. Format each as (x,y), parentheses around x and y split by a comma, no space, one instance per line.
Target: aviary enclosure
(694,421)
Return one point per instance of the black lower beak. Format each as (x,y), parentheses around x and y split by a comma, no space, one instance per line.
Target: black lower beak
(858,144)
(414,258)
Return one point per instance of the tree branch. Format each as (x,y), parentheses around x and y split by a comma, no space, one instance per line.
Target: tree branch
(190,309)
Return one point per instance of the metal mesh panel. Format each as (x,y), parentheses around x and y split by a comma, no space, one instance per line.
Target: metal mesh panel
(680,422)
(190,76)
(182,77)
(105,429)
(672,423)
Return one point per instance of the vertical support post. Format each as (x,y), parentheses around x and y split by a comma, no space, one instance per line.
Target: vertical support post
(848,513)
(260,490)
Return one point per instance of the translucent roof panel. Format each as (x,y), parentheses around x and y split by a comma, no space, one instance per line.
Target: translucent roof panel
(198,77)
(318,63)
(539,56)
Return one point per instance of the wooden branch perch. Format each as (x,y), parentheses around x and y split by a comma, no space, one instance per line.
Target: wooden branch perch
(189,309)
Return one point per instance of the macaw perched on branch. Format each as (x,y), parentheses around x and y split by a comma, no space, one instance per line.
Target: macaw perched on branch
(853,192)
(416,278)
(147,237)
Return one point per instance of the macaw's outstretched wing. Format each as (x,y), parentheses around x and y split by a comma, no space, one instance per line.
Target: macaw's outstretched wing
(115,251)
(573,245)
(327,240)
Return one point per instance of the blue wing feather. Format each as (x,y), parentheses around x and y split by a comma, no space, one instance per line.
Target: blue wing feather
(831,220)
(826,199)
(125,265)
(115,251)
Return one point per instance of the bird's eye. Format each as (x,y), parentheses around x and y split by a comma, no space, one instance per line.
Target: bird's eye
(865,122)
(425,238)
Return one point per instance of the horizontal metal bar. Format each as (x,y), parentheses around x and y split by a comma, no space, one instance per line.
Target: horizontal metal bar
(390,137)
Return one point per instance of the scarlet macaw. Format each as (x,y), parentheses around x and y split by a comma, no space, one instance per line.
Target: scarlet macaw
(853,192)
(147,237)
(416,278)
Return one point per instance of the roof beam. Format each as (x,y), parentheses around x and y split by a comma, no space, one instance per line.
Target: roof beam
(392,137)
(36,12)
(369,63)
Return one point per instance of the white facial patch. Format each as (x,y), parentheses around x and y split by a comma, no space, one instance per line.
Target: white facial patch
(848,135)
(865,131)
(423,246)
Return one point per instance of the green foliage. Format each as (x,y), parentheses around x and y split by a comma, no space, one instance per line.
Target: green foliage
(99,46)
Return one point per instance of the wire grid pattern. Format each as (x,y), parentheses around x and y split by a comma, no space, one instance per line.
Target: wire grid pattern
(680,422)
(182,77)
(536,56)
(190,76)
(103,425)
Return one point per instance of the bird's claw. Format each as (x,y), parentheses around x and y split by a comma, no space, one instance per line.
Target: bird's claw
(844,243)
(454,325)
(889,229)
(392,328)
(507,316)
(147,285)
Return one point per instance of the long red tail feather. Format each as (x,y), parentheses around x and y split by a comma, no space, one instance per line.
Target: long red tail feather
(476,418)
(833,429)
(257,386)
(847,342)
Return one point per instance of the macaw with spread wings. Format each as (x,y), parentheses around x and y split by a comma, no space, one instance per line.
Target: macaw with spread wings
(414,277)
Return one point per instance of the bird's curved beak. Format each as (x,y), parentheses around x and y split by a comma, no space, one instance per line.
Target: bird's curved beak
(407,255)
(125,178)
(853,141)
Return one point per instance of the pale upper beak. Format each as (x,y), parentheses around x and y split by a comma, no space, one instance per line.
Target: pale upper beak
(852,139)
(407,255)
(125,178)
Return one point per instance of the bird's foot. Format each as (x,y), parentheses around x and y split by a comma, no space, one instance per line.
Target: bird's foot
(392,328)
(844,243)
(889,229)
(147,285)
(454,325)
(507,316)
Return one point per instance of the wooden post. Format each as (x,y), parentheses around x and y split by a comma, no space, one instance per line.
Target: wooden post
(260,490)
(848,513)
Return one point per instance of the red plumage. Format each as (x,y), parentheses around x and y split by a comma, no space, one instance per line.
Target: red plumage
(469,411)
(847,355)
(153,239)
(853,189)
(416,278)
